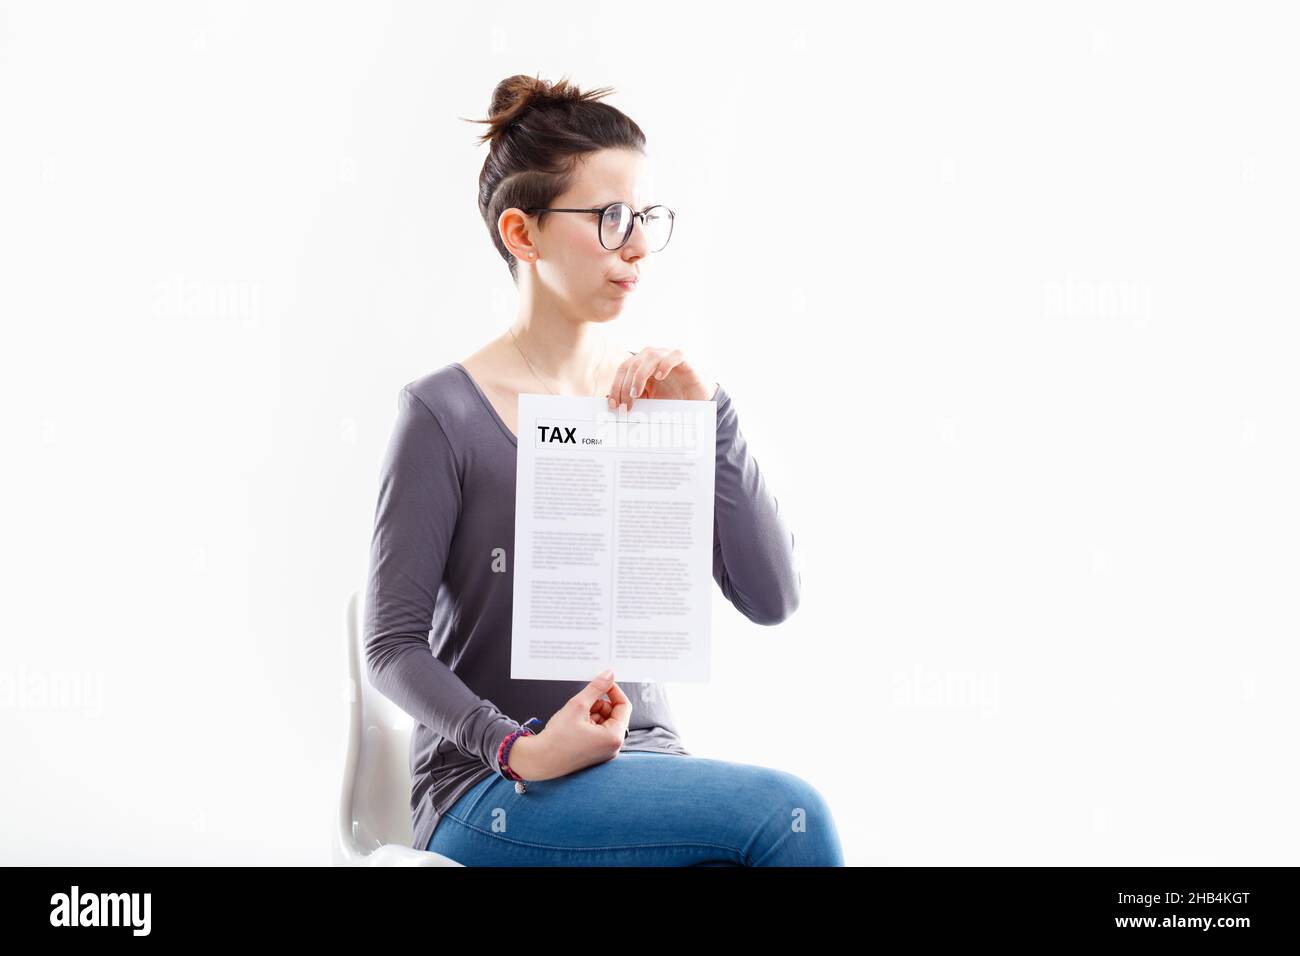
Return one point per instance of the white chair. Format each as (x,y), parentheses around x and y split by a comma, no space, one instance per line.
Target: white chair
(374,824)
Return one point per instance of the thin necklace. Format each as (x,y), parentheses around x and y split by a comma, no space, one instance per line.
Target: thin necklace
(603,347)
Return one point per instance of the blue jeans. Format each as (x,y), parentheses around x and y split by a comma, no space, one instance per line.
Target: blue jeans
(643,809)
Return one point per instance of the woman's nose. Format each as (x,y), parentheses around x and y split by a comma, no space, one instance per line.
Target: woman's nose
(638,234)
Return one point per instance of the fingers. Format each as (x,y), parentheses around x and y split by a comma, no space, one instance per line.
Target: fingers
(632,375)
(618,707)
(619,392)
(667,362)
(640,372)
(611,716)
(612,397)
(622,709)
(599,685)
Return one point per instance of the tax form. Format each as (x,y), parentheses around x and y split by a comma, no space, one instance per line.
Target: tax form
(613,539)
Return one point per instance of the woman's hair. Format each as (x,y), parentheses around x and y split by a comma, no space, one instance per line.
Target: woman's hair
(539,131)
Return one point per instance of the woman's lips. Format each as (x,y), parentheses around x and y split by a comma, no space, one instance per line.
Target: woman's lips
(629,286)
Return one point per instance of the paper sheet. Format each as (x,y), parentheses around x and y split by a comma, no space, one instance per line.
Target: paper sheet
(613,539)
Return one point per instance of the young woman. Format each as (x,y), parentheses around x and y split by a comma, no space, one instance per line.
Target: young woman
(607,780)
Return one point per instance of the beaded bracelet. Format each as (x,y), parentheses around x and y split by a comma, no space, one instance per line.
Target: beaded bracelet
(503,751)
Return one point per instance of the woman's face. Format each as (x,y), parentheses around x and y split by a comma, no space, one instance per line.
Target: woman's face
(571,265)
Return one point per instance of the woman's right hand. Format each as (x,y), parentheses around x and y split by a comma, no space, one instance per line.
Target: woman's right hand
(586,730)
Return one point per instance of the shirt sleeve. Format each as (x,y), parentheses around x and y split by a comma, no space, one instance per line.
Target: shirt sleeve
(415,519)
(753,549)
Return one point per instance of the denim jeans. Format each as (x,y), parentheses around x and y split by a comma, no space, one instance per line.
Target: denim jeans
(643,809)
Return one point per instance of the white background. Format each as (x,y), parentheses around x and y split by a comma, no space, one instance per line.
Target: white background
(1005,297)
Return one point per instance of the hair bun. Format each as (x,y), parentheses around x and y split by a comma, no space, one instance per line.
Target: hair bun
(516,95)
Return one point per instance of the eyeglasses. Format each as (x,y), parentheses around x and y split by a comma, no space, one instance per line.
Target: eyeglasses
(616,220)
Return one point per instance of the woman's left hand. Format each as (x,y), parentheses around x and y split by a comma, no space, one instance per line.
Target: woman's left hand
(659,373)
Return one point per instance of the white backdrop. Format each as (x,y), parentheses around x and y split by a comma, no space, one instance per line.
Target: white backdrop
(1005,299)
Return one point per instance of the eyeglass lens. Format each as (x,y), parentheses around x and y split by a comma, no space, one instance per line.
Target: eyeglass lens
(616,226)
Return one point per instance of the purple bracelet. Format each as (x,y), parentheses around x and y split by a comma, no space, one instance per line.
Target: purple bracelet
(503,750)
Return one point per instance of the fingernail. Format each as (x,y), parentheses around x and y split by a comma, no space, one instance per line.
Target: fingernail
(622,407)
(634,393)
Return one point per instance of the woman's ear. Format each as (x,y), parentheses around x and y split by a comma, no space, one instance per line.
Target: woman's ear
(516,234)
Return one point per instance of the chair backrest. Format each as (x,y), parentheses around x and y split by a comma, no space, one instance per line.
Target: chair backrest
(375,807)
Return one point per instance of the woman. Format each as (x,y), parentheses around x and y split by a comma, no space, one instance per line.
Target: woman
(607,780)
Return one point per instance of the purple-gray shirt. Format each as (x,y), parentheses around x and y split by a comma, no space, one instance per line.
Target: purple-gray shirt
(439,605)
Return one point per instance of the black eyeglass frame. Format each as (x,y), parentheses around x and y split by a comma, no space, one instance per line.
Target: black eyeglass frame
(631,223)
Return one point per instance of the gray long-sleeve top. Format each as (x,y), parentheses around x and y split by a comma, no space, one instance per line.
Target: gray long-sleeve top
(439,600)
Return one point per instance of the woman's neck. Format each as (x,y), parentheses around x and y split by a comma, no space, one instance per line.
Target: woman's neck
(564,352)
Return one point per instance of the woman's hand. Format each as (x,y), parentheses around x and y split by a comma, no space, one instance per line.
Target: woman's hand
(659,373)
(585,731)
